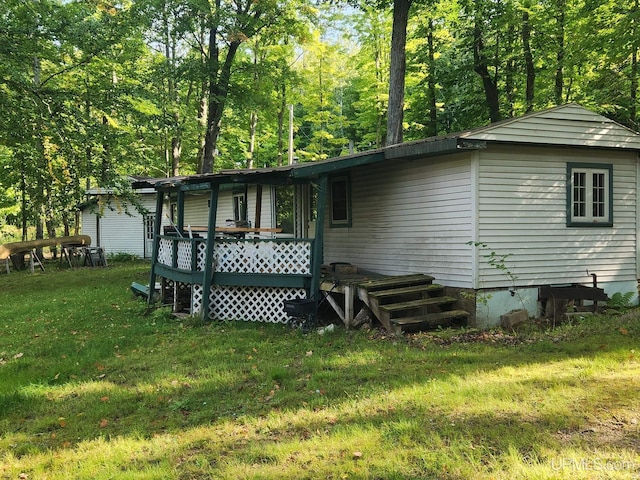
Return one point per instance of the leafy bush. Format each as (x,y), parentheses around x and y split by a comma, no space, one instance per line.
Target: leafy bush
(122,257)
(620,301)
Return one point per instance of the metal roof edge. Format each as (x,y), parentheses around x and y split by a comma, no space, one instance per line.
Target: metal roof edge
(424,148)
(312,169)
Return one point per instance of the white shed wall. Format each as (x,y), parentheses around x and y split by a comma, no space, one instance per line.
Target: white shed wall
(118,232)
(266,217)
(196,209)
(89,225)
(522,213)
(414,217)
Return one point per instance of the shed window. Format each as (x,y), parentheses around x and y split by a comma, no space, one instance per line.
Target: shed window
(589,195)
(340,189)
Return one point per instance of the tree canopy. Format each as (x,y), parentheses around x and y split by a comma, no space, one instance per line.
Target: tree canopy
(92,91)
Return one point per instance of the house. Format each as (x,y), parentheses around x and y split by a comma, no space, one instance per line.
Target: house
(120,223)
(496,214)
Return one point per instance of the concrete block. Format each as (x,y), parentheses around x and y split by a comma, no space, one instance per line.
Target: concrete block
(513,318)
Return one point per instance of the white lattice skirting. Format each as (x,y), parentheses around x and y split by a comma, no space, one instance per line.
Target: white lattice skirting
(264,257)
(255,304)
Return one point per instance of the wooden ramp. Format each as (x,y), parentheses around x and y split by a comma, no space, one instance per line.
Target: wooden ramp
(410,303)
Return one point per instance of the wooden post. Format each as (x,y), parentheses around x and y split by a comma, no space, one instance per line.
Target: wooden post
(209,272)
(349,291)
(180,213)
(258,216)
(156,244)
(317,254)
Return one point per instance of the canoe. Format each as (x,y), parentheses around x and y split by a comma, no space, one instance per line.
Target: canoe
(9,249)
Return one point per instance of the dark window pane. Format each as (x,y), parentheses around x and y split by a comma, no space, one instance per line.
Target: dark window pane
(339,201)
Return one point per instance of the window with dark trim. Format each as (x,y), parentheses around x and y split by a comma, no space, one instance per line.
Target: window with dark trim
(340,191)
(240,206)
(589,195)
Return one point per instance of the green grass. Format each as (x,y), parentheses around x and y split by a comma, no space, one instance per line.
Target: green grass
(93,386)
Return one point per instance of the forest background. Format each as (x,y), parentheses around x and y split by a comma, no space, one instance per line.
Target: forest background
(92,90)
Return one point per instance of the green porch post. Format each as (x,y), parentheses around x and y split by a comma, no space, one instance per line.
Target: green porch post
(317,254)
(156,243)
(208,264)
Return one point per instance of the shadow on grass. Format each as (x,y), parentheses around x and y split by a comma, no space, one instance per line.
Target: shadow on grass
(173,386)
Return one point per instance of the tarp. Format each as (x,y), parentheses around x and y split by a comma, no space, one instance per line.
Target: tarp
(9,249)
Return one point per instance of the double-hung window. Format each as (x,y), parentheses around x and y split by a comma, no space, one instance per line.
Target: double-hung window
(589,195)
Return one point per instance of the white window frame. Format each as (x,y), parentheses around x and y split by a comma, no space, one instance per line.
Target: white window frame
(239,206)
(589,204)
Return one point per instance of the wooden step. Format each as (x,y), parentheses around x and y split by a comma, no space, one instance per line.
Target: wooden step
(423,302)
(413,289)
(396,282)
(429,320)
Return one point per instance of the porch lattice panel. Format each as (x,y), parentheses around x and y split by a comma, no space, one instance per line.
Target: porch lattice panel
(201,256)
(255,304)
(184,255)
(263,257)
(165,251)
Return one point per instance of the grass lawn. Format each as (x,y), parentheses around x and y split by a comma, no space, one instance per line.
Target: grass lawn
(93,387)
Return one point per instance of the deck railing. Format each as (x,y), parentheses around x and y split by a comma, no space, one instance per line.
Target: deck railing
(249,256)
(252,278)
(181,253)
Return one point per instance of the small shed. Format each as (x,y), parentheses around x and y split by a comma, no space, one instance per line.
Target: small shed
(121,223)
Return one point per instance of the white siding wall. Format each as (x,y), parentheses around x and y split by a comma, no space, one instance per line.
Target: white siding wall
(522,213)
(196,208)
(89,225)
(412,217)
(119,232)
(265,213)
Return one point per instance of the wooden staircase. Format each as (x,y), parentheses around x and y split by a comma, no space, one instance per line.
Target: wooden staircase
(410,303)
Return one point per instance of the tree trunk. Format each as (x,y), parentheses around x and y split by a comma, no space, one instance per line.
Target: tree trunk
(253,117)
(432,129)
(176,154)
(560,40)
(528,59)
(51,233)
(281,112)
(489,83)
(202,121)
(253,123)
(218,90)
(634,69)
(23,200)
(39,229)
(510,71)
(104,167)
(397,70)
(172,92)
(380,79)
